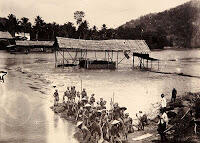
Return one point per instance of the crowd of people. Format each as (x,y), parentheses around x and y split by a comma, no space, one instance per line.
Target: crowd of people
(96,122)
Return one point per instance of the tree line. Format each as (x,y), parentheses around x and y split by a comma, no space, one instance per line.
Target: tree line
(43,31)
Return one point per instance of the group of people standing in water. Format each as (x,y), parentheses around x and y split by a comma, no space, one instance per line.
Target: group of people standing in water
(95,122)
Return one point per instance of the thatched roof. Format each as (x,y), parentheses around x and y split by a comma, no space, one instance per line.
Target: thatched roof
(5,35)
(138,46)
(34,43)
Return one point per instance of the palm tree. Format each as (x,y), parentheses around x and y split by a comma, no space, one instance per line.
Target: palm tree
(13,24)
(24,24)
(39,23)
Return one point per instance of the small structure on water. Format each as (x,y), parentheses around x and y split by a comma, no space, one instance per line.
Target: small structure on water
(32,46)
(137,48)
(5,40)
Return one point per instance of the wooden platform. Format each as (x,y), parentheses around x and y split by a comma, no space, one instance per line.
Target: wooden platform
(97,64)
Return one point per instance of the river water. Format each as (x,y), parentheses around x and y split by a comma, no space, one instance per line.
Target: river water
(26,95)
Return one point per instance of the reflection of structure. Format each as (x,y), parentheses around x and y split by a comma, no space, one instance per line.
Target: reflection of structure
(32,46)
(139,49)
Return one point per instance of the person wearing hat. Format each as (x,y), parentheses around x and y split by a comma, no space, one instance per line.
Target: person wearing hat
(85,132)
(116,111)
(92,100)
(102,103)
(163,102)
(114,131)
(142,120)
(128,121)
(56,97)
(83,93)
(67,93)
(122,110)
(73,93)
(84,101)
(95,130)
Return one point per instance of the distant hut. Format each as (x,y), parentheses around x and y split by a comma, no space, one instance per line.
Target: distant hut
(33,46)
(5,40)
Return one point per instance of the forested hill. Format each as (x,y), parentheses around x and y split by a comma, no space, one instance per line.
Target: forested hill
(179,27)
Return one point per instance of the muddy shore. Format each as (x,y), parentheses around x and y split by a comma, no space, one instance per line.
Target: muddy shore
(177,113)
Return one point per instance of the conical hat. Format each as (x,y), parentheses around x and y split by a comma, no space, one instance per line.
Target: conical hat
(87,105)
(115,122)
(79,123)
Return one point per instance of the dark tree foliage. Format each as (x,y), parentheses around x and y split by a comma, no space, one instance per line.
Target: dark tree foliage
(174,27)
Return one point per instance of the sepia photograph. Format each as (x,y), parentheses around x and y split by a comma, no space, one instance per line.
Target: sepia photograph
(99,71)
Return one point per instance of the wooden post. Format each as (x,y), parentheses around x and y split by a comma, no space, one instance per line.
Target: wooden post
(158,64)
(108,59)
(143,62)
(147,63)
(105,54)
(151,64)
(55,59)
(95,55)
(108,55)
(86,62)
(133,60)
(112,55)
(117,59)
(63,59)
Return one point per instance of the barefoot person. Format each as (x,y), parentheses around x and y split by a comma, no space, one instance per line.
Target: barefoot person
(56,97)
(163,102)
(174,92)
(162,125)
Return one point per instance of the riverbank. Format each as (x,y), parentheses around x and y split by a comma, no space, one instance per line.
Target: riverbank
(33,76)
(181,116)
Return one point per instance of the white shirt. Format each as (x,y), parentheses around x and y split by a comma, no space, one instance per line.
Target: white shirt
(164,118)
(163,102)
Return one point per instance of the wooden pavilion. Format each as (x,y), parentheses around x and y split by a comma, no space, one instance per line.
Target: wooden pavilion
(135,48)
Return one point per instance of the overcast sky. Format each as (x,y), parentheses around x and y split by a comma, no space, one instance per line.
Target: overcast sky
(111,12)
